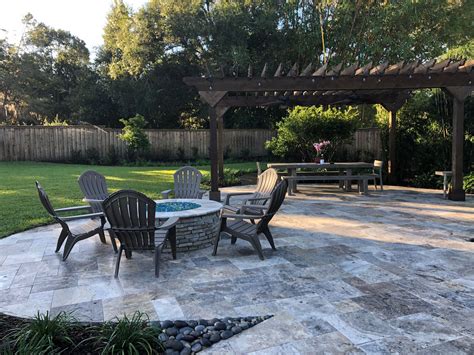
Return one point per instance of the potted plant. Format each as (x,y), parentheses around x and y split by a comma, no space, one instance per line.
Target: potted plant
(320,149)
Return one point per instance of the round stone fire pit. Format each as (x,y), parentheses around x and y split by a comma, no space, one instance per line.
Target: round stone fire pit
(198,221)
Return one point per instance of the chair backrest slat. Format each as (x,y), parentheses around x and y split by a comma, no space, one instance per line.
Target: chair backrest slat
(187,181)
(276,200)
(44,199)
(265,185)
(94,186)
(134,211)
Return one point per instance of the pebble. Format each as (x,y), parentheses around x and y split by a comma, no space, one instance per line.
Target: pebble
(173,344)
(219,326)
(244,325)
(185,351)
(166,324)
(172,331)
(199,328)
(226,334)
(186,330)
(236,329)
(215,338)
(180,323)
(188,337)
(206,342)
(203,322)
(196,347)
(192,323)
(171,352)
(163,337)
(179,336)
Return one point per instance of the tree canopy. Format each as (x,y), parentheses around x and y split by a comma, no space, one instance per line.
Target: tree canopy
(146,52)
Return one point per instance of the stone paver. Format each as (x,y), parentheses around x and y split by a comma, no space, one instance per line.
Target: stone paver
(384,273)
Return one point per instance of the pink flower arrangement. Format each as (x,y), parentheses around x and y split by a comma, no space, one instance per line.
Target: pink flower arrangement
(321,146)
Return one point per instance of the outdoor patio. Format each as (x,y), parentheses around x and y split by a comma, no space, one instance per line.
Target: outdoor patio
(387,272)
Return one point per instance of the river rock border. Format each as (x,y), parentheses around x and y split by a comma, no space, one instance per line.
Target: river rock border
(181,337)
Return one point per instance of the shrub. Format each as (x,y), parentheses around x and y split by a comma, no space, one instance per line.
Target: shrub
(131,336)
(76,157)
(112,157)
(195,153)
(245,154)
(92,156)
(134,135)
(180,154)
(427,181)
(227,152)
(469,183)
(44,334)
(306,125)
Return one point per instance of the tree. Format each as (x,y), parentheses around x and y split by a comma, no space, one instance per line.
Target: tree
(305,126)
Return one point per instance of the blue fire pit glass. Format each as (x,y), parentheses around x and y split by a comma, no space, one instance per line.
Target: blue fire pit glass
(176,206)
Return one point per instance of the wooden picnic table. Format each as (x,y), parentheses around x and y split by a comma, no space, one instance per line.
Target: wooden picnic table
(292,168)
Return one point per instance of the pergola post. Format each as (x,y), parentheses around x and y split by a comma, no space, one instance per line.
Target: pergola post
(459,95)
(214,194)
(212,98)
(392,108)
(392,147)
(220,111)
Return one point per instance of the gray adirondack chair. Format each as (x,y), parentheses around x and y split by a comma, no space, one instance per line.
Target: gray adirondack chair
(237,227)
(94,223)
(265,184)
(131,215)
(94,188)
(187,181)
(377,173)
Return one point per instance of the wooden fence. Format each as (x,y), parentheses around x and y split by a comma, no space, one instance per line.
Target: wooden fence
(60,143)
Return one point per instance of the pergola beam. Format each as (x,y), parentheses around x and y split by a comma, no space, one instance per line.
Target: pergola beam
(315,83)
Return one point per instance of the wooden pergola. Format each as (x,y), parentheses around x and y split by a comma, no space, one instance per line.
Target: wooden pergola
(385,84)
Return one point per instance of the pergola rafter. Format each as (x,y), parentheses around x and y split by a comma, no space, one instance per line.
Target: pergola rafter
(387,84)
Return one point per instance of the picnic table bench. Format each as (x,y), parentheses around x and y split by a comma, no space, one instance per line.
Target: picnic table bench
(345,168)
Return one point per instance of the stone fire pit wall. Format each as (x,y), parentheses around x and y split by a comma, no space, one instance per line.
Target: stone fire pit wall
(198,225)
(196,232)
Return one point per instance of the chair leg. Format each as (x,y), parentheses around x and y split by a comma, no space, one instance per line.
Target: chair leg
(113,241)
(257,246)
(157,260)
(233,240)
(269,236)
(172,240)
(381,183)
(102,236)
(70,242)
(61,239)
(117,264)
(216,243)
(128,254)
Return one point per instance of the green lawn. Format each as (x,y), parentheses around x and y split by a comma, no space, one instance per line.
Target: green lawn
(20,208)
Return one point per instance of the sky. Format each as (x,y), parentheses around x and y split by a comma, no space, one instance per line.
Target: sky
(83,18)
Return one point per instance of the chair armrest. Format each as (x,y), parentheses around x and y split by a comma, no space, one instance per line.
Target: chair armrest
(201,193)
(92,200)
(258,198)
(166,193)
(253,207)
(170,223)
(228,196)
(241,216)
(82,216)
(75,208)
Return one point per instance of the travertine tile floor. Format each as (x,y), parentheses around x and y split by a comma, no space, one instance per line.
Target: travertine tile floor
(389,272)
